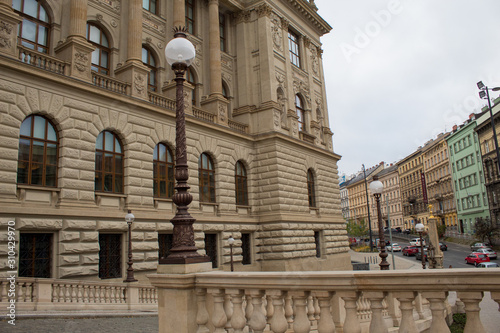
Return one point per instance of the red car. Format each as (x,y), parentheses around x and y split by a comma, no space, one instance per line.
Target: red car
(476,258)
(410,250)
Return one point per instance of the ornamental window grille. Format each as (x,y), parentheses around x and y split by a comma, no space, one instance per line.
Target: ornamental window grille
(34,29)
(35,253)
(110,256)
(211,249)
(38,152)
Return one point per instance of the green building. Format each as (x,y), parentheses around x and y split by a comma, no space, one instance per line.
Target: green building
(467,175)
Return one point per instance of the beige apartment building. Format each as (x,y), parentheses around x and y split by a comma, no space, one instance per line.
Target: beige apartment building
(390,201)
(439,181)
(87,124)
(413,191)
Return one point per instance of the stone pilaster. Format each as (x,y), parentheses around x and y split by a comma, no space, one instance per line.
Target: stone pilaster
(9,21)
(219,106)
(134,71)
(214,46)
(76,49)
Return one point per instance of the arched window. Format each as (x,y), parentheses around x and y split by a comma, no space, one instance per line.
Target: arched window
(108,163)
(191,80)
(34,29)
(241,184)
(163,171)
(224,90)
(310,188)
(150,6)
(190,22)
(37,156)
(206,175)
(100,56)
(299,107)
(149,61)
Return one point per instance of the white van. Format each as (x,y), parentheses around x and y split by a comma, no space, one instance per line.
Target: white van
(416,241)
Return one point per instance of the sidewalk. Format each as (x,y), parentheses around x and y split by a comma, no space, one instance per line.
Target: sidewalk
(374,260)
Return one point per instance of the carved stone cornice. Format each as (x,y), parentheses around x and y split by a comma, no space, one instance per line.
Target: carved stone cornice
(242,16)
(309,13)
(264,10)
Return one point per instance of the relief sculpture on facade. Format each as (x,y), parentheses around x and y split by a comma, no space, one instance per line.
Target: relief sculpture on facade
(5,32)
(81,61)
(277,33)
(139,83)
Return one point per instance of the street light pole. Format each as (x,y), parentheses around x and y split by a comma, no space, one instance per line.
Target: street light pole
(368,207)
(180,53)
(376,187)
(485,94)
(129,218)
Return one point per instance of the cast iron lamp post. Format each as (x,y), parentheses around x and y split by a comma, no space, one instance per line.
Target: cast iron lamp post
(376,187)
(231,242)
(419,227)
(485,94)
(129,218)
(180,53)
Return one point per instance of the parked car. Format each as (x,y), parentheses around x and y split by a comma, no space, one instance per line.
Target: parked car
(410,250)
(394,247)
(488,265)
(476,258)
(443,247)
(489,252)
(398,229)
(416,241)
(418,255)
(407,231)
(477,246)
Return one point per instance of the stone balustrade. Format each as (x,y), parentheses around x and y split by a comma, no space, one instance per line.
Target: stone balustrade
(109,83)
(42,60)
(349,302)
(203,115)
(73,295)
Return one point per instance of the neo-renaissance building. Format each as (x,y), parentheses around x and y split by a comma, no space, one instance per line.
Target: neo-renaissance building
(87,125)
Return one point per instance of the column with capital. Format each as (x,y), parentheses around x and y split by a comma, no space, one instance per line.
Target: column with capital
(134,71)
(76,49)
(9,21)
(215,103)
(179,13)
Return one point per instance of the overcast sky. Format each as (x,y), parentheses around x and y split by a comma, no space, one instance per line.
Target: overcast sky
(400,72)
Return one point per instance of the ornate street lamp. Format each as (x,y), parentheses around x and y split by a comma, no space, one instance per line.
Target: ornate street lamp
(180,53)
(129,218)
(419,227)
(376,187)
(231,242)
(485,94)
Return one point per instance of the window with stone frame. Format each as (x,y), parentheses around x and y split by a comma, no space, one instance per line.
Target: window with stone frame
(311,189)
(38,152)
(293,47)
(246,248)
(206,176)
(35,255)
(299,108)
(222,32)
(190,18)
(190,78)
(149,60)
(34,29)
(165,243)
(317,243)
(241,184)
(101,54)
(163,171)
(150,5)
(108,163)
(110,256)
(211,249)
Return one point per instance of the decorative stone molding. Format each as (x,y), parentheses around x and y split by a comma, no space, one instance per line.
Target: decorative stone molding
(81,61)
(277,33)
(227,77)
(264,10)
(113,23)
(284,23)
(222,112)
(153,23)
(281,78)
(139,83)
(302,87)
(307,41)
(227,61)
(114,5)
(5,34)
(242,17)
(98,17)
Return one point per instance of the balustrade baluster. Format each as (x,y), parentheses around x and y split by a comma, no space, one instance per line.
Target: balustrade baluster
(406,299)
(310,309)
(289,310)
(228,308)
(377,324)
(54,293)
(495,295)
(351,322)
(21,289)
(419,306)
(29,292)
(278,321)
(219,317)
(257,321)
(3,291)
(317,309)
(471,300)
(79,293)
(60,297)
(325,319)
(269,308)
(74,289)
(249,305)
(86,294)
(301,324)
(437,300)
(238,320)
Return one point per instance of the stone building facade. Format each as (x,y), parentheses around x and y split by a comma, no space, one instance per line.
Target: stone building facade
(390,201)
(87,120)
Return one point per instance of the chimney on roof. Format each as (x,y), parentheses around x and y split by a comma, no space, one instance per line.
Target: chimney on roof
(472,116)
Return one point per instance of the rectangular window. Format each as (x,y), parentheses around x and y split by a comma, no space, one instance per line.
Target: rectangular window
(246,248)
(165,242)
(293,47)
(211,249)
(35,252)
(222,32)
(110,256)
(317,242)
(190,16)
(149,5)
